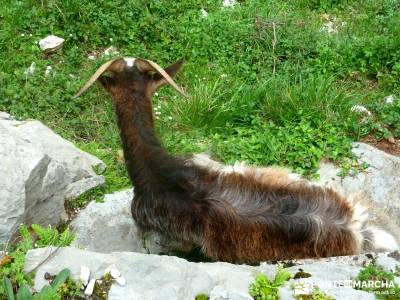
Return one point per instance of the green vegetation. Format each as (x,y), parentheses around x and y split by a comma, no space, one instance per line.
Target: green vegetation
(265,289)
(12,264)
(48,292)
(316,294)
(374,279)
(268,83)
(102,287)
(201,297)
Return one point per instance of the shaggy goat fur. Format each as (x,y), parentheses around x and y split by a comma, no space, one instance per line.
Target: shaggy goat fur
(234,213)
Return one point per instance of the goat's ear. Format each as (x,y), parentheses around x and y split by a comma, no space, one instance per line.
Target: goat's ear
(106,81)
(158,80)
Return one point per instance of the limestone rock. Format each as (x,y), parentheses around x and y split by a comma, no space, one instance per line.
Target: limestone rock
(39,170)
(380,182)
(149,276)
(109,227)
(51,43)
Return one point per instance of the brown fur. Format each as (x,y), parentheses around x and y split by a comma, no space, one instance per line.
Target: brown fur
(249,216)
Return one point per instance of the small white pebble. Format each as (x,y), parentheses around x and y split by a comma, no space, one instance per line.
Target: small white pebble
(115,273)
(111,51)
(31,69)
(51,43)
(360,109)
(84,275)
(389,99)
(121,281)
(48,70)
(90,287)
(204,13)
(228,3)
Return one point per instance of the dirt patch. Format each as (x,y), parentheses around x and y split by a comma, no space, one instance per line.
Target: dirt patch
(391,147)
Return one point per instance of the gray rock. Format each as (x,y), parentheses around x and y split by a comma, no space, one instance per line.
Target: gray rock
(380,182)
(51,43)
(5,116)
(108,227)
(389,264)
(39,170)
(149,276)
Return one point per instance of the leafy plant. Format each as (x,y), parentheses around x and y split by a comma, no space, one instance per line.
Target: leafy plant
(50,236)
(374,278)
(14,268)
(265,289)
(201,297)
(46,293)
(316,294)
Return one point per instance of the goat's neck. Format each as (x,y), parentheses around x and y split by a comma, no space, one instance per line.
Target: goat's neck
(145,158)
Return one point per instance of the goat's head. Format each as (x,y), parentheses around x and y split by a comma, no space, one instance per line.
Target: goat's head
(140,77)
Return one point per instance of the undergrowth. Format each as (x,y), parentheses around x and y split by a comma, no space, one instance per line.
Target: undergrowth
(265,289)
(375,279)
(268,83)
(12,262)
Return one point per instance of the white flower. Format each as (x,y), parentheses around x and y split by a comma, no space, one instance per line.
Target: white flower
(169,118)
(158,113)
(22,34)
(156,94)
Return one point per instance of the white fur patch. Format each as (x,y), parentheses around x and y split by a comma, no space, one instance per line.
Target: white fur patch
(129,61)
(383,240)
(360,216)
(238,167)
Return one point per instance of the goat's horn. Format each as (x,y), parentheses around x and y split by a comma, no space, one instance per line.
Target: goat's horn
(112,65)
(168,78)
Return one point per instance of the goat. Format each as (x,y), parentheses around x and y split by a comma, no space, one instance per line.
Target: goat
(234,213)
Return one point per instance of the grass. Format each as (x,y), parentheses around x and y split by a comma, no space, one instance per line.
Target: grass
(266,98)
